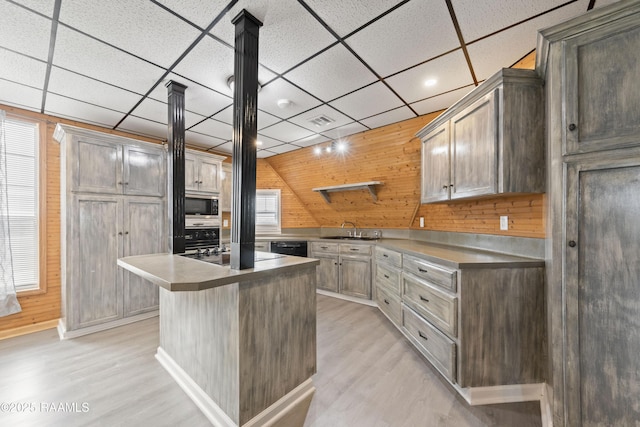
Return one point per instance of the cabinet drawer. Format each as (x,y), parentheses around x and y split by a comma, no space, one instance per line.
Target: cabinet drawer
(324,248)
(432,273)
(436,346)
(263,246)
(436,306)
(346,248)
(387,255)
(389,304)
(388,277)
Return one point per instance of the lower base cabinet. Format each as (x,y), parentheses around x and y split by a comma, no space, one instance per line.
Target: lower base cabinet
(479,327)
(344,268)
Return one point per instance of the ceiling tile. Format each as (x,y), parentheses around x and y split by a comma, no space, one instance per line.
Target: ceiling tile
(268,143)
(280,89)
(43,6)
(344,131)
(200,12)
(157,111)
(195,138)
(507,47)
(76,110)
(289,34)
(214,128)
(450,72)
(144,127)
(393,116)
(479,18)
(284,148)
(226,115)
(304,119)
(263,154)
(331,74)
(22,69)
(24,31)
(286,132)
(197,98)
(82,88)
(94,59)
(413,33)
(20,96)
(440,102)
(210,63)
(344,17)
(264,119)
(366,102)
(226,147)
(118,22)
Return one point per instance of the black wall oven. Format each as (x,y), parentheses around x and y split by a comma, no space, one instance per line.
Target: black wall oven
(201,238)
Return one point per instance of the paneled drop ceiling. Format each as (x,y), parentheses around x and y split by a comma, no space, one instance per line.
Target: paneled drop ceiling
(361,64)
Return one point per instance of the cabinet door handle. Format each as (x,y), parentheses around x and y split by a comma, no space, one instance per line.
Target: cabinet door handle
(119,233)
(422,270)
(386,277)
(324,247)
(385,255)
(126,183)
(423,299)
(196,182)
(119,182)
(444,187)
(572,127)
(386,302)
(200,182)
(423,336)
(572,243)
(354,249)
(126,232)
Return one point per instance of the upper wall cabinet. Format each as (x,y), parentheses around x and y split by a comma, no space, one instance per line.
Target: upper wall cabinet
(114,165)
(490,142)
(202,172)
(601,89)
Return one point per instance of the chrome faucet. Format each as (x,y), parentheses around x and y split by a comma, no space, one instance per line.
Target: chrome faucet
(355,230)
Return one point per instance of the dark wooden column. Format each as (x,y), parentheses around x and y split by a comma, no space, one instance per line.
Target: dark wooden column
(245,132)
(175,174)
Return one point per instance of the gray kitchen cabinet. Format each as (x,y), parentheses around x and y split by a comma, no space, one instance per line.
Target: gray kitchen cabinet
(144,233)
(593,145)
(344,268)
(226,187)
(263,246)
(107,167)
(202,172)
(480,326)
(102,221)
(388,280)
(490,142)
(94,284)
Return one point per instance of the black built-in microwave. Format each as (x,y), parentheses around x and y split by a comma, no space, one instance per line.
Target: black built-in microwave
(199,205)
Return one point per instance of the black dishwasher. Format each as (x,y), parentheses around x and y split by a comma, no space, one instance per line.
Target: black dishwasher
(289,247)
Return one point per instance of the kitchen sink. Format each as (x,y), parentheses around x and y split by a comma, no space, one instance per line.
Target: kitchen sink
(349,238)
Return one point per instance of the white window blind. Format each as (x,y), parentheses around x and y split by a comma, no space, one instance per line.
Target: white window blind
(21,138)
(268,211)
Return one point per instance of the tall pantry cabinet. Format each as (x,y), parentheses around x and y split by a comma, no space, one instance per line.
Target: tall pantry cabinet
(592,71)
(112,205)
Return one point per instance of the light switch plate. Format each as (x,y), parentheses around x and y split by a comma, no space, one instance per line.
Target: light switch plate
(504,222)
(421,222)
(225,222)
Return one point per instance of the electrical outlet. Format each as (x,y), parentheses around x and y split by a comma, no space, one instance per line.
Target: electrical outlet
(421,222)
(504,222)
(225,222)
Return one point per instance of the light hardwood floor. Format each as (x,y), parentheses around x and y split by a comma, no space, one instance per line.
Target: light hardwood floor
(368,375)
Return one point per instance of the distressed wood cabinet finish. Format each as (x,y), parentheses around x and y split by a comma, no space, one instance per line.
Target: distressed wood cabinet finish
(489,142)
(388,280)
(226,190)
(103,166)
(112,205)
(479,326)
(202,172)
(344,268)
(590,65)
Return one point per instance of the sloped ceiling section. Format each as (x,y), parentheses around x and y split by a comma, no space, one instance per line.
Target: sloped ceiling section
(360,64)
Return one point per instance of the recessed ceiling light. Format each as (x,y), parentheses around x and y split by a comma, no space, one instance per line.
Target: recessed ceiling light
(258,142)
(328,149)
(341,146)
(317,150)
(430,82)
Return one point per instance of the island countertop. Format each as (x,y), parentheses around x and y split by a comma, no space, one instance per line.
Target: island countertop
(177,273)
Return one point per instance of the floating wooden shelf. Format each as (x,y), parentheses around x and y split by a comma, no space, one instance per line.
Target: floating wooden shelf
(370,185)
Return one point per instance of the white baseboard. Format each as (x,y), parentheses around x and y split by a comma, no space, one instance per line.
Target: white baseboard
(64,334)
(347,298)
(269,417)
(502,394)
(209,408)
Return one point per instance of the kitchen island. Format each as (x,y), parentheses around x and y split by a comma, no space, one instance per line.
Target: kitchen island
(241,343)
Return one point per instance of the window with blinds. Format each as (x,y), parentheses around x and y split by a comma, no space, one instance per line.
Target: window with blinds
(268,211)
(21,138)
